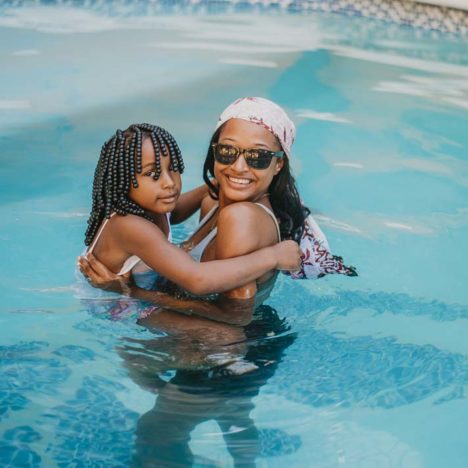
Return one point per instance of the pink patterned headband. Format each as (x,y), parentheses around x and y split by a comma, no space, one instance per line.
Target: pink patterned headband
(265,113)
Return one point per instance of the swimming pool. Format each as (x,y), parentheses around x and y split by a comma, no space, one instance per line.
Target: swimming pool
(367,371)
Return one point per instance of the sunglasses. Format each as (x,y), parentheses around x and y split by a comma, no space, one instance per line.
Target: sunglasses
(256,158)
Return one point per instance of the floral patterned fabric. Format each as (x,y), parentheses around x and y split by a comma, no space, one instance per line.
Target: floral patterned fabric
(317,260)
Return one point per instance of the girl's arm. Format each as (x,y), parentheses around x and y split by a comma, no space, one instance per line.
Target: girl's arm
(223,309)
(141,238)
(188,203)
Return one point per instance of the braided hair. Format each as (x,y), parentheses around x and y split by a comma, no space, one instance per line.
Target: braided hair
(118,164)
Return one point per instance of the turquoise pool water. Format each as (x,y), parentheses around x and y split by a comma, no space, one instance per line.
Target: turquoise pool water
(358,372)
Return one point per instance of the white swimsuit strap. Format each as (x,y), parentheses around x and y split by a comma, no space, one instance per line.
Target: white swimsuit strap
(273,217)
(98,235)
(197,252)
(169,234)
(206,218)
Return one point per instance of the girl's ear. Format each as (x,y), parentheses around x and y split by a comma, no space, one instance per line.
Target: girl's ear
(279,165)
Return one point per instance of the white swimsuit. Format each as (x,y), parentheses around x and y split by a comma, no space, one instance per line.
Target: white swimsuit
(263,289)
(143,275)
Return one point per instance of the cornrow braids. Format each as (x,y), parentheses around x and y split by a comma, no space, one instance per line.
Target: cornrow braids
(119,162)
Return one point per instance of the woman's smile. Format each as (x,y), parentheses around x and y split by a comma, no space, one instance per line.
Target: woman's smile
(239,180)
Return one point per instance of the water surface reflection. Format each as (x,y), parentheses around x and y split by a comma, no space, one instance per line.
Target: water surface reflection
(216,372)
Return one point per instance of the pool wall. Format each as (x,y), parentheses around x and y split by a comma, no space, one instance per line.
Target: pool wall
(448,16)
(438,15)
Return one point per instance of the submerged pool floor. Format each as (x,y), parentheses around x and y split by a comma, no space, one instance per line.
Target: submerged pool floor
(367,371)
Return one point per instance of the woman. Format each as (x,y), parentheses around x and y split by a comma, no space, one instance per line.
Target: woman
(254,204)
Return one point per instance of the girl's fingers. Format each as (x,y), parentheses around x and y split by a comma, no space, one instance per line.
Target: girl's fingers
(89,267)
(83,265)
(99,268)
(88,272)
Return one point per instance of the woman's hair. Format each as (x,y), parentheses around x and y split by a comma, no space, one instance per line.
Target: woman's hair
(284,197)
(118,164)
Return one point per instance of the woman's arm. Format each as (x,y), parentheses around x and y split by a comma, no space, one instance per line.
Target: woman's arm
(188,203)
(222,309)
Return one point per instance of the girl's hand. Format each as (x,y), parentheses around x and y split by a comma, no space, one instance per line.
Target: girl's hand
(288,255)
(99,276)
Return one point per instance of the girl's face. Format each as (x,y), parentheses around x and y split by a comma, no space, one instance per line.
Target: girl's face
(238,181)
(156,196)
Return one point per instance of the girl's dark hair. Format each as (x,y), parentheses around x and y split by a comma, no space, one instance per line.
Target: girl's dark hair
(118,164)
(284,197)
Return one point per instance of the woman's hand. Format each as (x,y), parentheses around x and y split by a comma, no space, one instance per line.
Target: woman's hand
(288,255)
(99,276)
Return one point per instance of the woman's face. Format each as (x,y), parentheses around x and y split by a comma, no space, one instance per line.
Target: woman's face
(156,196)
(238,181)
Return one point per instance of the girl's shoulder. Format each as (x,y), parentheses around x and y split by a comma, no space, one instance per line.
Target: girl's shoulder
(120,221)
(130,223)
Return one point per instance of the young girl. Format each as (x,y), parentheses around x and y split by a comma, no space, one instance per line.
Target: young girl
(136,187)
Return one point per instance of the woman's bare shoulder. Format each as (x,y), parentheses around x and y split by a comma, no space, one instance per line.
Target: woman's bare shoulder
(249,212)
(248,224)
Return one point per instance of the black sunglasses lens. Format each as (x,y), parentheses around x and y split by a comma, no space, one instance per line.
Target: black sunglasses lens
(259,163)
(256,159)
(225,154)
(223,159)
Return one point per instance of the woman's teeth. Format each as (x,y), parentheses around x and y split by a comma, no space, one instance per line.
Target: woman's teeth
(239,181)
